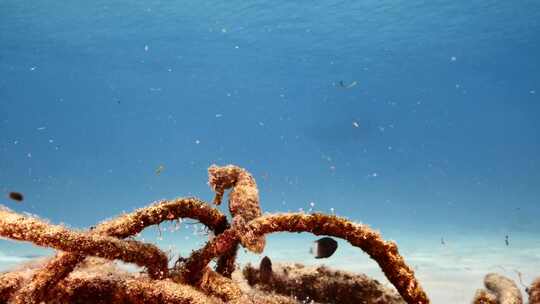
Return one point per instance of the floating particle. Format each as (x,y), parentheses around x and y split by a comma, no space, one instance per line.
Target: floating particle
(146,48)
(160,169)
(332,210)
(197,141)
(41,128)
(33,68)
(532,92)
(29,155)
(312,204)
(453,58)
(16,196)
(324,248)
(355,124)
(236,47)
(219,115)
(223,30)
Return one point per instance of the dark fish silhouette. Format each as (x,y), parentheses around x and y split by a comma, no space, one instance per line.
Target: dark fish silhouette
(16,196)
(265,269)
(324,248)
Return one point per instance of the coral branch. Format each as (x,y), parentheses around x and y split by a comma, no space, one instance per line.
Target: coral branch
(18,227)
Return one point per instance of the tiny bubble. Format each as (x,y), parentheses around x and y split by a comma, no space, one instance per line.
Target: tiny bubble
(197,141)
(453,58)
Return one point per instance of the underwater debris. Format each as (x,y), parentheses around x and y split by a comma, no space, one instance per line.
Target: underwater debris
(324,248)
(22,228)
(66,277)
(16,196)
(500,290)
(121,227)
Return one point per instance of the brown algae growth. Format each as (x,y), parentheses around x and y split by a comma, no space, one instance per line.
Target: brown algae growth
(82,271)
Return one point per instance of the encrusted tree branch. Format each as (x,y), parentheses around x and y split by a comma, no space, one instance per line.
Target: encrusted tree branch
(384,253)
(121,227)
(22,228)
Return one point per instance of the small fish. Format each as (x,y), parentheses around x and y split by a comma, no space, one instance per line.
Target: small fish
(442,241)
(265,269)
(506,241)
(324,248)
(160,169)
(16,196)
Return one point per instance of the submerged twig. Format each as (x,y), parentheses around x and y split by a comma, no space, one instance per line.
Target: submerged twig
(22,228)
(121,227)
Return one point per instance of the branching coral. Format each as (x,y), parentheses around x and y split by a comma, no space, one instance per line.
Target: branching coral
(57,281)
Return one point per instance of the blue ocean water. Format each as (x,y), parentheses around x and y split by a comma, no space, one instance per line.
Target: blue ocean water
(418,119)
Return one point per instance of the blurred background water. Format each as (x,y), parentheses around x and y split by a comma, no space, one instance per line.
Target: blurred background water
(419,119)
